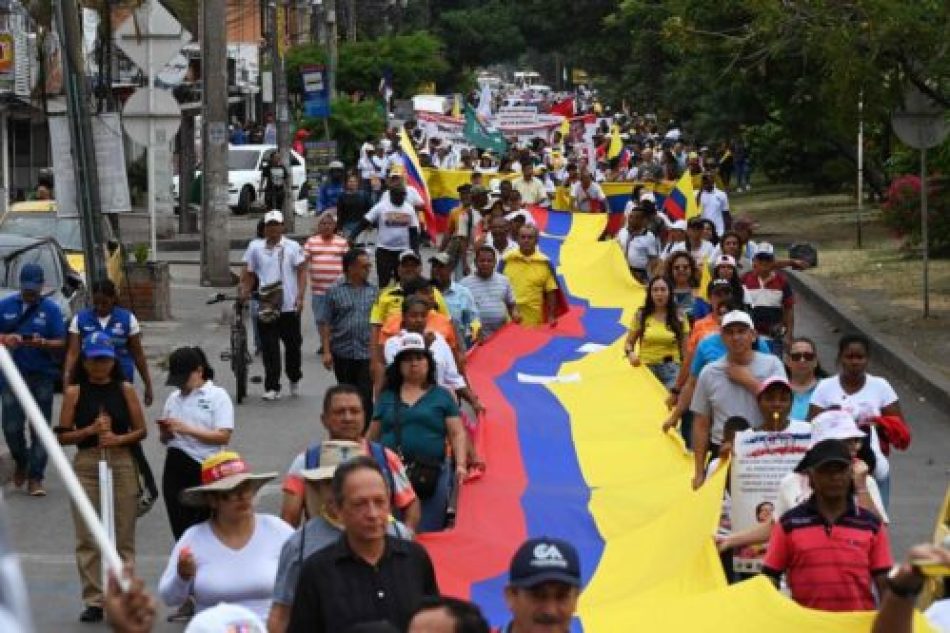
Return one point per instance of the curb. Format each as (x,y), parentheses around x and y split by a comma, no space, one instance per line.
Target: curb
(887,352)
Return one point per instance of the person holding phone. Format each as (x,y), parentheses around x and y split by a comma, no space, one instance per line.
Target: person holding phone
(33,330)
(197,421)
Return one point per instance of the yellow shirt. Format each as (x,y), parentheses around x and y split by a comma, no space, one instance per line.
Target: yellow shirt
(531,277)
(657,342)
(389,303)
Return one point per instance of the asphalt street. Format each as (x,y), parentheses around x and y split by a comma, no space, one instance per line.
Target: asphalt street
(269,434)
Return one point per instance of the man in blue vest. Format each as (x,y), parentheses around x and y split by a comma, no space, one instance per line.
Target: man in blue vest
(120,325)
(32,329)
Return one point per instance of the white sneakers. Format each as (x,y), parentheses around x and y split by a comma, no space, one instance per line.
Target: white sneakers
(271,395)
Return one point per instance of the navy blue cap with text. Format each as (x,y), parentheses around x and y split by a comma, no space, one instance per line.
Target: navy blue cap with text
(541,560)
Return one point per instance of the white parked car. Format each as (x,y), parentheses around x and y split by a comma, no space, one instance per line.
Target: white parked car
(246,178)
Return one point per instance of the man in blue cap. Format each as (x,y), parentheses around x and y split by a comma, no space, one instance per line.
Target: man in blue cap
(33,330)
(544,583)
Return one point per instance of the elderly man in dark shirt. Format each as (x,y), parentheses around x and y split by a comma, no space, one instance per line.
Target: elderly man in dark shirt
(366,576)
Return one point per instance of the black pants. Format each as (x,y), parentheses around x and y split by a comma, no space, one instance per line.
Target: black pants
(386,263)
(355,371)
(181,472)
(286,329)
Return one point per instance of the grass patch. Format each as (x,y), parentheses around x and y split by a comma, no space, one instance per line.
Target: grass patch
(881,281)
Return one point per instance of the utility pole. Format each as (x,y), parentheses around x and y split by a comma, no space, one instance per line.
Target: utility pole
(215,239)
(187,222)
(80,134)
(332,55)
(281,105)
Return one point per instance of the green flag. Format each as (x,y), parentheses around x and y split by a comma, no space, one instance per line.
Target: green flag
(476,134)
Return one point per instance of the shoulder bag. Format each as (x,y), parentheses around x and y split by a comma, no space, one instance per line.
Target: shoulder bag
(271,296)
(423,472)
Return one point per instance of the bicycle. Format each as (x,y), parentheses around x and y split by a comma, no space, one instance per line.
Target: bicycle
(238,355)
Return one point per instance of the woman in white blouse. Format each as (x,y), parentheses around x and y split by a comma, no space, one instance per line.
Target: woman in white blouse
(864,396)
(232,557)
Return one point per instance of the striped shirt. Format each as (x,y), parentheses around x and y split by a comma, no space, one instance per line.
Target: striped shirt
(769,299)
(493,296)
(346,311)
(829,566)
(326,263)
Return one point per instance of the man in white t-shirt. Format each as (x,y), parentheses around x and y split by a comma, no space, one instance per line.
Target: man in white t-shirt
(728,387)
(714,205)
(277,267)
(640,246)
(398,227)
(587,196)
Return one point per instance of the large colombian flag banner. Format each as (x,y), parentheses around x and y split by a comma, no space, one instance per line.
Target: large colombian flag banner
(574,450)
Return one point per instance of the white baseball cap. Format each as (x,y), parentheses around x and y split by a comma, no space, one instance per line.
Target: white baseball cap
(274,216)
(834,424)
(410,342)
(764,250)
(678,225)
(737,317)
(725,260)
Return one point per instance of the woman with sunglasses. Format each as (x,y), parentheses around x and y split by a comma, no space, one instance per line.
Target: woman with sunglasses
(804,372)
(232,557)
(684,273)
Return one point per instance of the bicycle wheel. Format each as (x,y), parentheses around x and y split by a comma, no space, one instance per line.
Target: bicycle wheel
(239,363)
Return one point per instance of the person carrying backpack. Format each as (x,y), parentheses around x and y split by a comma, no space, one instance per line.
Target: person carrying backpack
(343,418)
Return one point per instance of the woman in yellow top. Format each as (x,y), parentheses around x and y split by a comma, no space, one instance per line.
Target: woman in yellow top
(661,331)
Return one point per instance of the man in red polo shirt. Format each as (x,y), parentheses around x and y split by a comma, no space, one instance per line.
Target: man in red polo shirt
(829,548)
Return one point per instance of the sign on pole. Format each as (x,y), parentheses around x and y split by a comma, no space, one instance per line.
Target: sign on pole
(316,102)
(110,164)
(921,124)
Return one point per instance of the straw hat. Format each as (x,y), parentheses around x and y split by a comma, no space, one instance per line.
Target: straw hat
(222,472)
(332,454)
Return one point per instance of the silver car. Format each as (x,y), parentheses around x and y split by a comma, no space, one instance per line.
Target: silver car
(62,284)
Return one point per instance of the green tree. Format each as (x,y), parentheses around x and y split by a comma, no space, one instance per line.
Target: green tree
(350,124)
(482,34)
(414,59)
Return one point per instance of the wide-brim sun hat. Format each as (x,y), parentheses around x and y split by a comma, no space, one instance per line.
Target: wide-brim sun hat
(222,472)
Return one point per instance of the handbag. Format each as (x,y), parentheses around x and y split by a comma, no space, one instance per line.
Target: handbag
(423,472)
(148,490)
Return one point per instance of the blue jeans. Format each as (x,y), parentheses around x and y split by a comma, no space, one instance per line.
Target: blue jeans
(434,508)
(316,304)
(32,458)
(884,486)
(252,314)
(666,373)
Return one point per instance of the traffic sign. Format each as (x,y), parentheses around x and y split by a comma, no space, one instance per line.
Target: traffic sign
(919,122)
(151,36)
(161,109)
